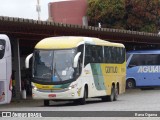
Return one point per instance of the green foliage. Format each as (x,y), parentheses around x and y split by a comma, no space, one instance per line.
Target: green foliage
(138,15)
(108,12)
(149,28)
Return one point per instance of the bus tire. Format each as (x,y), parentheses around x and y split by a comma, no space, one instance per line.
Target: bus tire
(130,84)
(46,102)
(82,101)
(116,94)
(111,97)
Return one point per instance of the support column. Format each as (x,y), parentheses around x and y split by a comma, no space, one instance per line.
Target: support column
(16,53)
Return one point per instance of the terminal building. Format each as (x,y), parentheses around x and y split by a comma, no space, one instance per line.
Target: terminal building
(68,12)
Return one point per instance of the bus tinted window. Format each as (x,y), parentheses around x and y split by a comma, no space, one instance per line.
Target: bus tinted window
(122,52)
(107,54)
(135,60)
(114,54)
(145,59)
(94,54)
(2,48)
(127,56)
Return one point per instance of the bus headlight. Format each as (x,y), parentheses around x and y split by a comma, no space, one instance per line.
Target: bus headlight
(72,94)
(34,87)
(72,86)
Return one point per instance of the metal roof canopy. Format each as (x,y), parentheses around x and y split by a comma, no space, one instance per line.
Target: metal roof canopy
(27,29)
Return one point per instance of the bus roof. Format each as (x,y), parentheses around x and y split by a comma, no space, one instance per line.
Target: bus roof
(65,42)
(144,52)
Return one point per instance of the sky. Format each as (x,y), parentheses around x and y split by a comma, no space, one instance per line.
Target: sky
(24,8)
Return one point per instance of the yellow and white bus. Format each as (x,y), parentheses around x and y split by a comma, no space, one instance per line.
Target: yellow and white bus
(76,68)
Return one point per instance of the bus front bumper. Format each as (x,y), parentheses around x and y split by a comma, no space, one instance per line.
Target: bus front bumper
(66,95)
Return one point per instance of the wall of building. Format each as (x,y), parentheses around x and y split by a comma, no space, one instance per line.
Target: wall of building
(68,12)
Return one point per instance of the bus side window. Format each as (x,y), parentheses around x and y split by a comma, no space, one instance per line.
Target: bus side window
(134,61)
(113,54)
(94,54)
(87,55)
(118,55)
(97,54)
(123,54)
(158,59)
(107,54)
(153,59)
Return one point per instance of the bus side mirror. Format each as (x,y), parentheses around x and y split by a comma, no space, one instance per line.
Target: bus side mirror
(27,60)
(75,64)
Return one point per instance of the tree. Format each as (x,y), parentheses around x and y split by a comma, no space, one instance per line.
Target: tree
(142,15)
(108,12)
(137,15)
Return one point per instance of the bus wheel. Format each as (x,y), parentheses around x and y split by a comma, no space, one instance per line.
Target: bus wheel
(130,84)
(46,102)
(82,101)
(116,94)
(111,97)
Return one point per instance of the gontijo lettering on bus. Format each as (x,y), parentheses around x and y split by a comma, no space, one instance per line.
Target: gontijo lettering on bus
(111,69)
(149,69)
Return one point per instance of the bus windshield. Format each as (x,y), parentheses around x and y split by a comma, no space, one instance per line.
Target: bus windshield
(127,56)
(53,65)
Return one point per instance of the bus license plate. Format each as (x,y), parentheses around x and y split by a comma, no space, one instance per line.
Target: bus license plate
(51,95)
